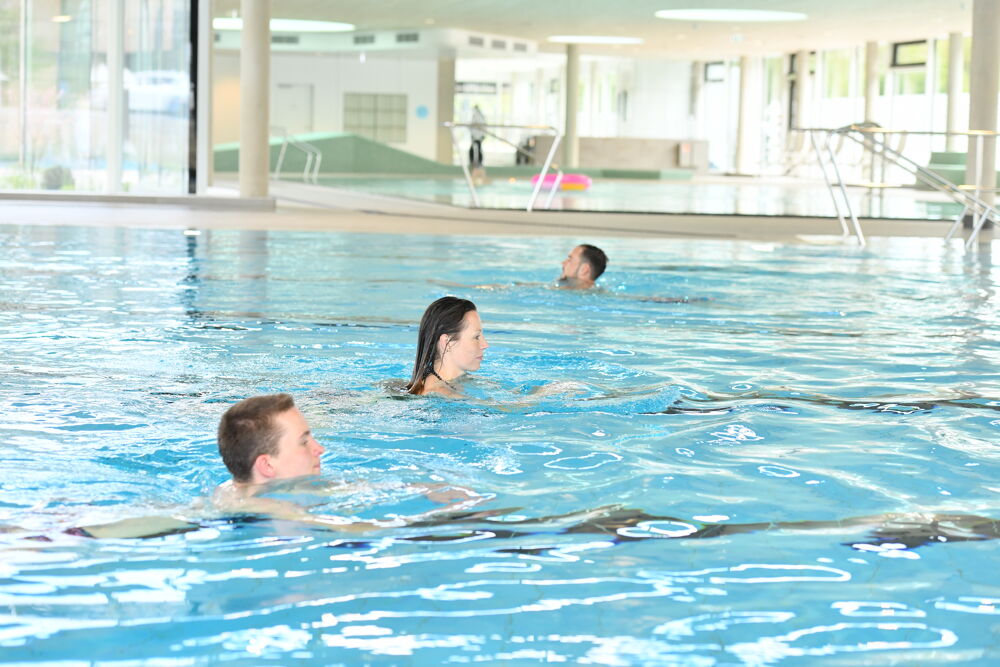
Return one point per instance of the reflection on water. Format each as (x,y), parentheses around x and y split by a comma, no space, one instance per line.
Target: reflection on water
(747,197)
(679,493)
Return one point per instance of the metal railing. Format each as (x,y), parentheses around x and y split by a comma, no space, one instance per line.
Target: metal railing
(876,141)
(314,157)
(485,129)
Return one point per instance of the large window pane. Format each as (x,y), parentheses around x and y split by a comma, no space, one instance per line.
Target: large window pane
(58,136)
(158,90)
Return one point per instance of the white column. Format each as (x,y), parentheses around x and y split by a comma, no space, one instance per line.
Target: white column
(255,81)
(204,155)
(802,84)
(571,142)
(743,121)
(23,68)
(117,116)
(592,100)
(984,84)
(694,94)
(956,63)
(539,101)
(871,79)
(446,110)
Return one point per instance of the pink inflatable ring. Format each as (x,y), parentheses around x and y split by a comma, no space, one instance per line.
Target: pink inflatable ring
(568,182)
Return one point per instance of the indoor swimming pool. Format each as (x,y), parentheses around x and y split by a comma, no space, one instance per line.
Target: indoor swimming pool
(721,196)
(634,446)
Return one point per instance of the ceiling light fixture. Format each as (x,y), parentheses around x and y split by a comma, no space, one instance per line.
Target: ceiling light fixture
(593,39)
(285,25)
(62,18)
(729,15)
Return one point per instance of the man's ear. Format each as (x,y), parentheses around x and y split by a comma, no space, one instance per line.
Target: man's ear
(585,271)
(263,467)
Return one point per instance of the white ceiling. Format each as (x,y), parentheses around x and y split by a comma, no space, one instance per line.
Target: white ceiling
(830,23)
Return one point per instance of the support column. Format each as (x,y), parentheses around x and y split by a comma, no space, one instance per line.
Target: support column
(204,153)
(117,115)
(571,142)
(445,110)
(743,123)
(984,84)
(956,62)
(255,82)
(539,102)
(802,84)
(23,69)
(593,101)
(871,80)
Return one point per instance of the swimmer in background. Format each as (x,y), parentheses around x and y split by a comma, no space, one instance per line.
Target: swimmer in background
(580,271)
(582,267)
(450,344)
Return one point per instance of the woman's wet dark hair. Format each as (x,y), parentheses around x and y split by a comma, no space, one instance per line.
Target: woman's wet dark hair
(444,316)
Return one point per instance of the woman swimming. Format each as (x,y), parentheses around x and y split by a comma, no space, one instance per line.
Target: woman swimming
(449,345)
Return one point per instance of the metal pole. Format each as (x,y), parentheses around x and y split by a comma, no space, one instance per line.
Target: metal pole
(826,179)
(465,167)
(847,202)
(281,157)
(204,154)
(958,223)
(555,187)
(545,168)
(980,221)
(979,163)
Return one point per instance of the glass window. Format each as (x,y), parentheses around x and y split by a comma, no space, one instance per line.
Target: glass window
(57,135)
(376,116)
(908,54)
(837,73)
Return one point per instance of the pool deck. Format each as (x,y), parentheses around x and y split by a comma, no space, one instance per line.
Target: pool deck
(303,207)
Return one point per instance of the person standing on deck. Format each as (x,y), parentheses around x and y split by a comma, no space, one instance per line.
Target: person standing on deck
(478,132)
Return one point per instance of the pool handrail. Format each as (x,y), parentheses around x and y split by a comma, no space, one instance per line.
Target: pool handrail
(314,157)
(864,134)
(484,128)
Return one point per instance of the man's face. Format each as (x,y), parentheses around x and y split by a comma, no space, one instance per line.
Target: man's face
(573,264)
(298,452)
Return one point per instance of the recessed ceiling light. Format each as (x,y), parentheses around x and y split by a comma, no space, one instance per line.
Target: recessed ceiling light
(286,25)
(731,15)
(62,18)
(593,39)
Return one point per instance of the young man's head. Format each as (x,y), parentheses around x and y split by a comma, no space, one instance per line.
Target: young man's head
(584,264)
(265,438)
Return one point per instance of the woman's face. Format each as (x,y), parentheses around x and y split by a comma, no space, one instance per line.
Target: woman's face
(465,352)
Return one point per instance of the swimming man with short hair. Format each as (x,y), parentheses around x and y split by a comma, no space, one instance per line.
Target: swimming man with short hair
(582,267)
(264,439)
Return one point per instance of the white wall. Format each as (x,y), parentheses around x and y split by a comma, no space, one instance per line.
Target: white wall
(332,75)
(659,100)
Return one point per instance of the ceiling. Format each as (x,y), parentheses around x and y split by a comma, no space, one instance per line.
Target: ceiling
(830,23)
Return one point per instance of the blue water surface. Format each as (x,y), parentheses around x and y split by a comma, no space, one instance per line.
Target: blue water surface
(634,453)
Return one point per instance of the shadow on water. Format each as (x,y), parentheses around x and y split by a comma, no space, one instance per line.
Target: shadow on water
(785,400)
(618,524)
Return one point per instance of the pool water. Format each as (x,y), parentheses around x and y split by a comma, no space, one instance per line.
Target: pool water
(749,197)
(611,435)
